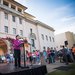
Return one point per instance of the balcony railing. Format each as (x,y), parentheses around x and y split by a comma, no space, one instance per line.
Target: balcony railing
(10,9)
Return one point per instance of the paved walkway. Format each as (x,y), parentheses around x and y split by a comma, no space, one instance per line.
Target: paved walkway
(51,67)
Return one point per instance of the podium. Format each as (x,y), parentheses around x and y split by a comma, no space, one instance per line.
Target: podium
(25,42)
(24,53)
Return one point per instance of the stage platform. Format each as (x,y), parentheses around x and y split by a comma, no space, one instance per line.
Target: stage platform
(9,69)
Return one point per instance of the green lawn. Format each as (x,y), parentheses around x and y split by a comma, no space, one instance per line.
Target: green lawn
(70,71)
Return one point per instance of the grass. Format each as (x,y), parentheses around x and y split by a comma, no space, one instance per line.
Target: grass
(70,71)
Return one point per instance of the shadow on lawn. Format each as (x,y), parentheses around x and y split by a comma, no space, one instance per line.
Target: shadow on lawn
(64,70)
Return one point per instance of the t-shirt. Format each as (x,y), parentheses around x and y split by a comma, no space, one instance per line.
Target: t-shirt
(73,50)
(16,44)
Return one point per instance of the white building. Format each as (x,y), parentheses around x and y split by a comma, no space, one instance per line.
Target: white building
(14,20)
(66,36)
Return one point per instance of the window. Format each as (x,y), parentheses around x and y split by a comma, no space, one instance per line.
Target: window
(13,7)
(6,16)
(20,20)
(0,1)
(21,32)
(31,30)
(19,10)
(50,39)
(42,36)
(53,39)
(46,38)
(33,43)
(6,29)
(44,48)
(13,18)
(51,48)
(14,30)
(5,3)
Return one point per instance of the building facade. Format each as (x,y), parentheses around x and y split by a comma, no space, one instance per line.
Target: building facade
(14,20)
(61,38)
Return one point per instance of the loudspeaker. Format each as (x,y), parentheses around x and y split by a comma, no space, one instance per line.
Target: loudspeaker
(66,42)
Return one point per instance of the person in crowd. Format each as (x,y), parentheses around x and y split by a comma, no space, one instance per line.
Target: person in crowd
(73,51)
(34,56)
(49,55)
(37,56)
(69,54)
(71,59)
(11,58)
(52,56)
(65,54)
(30,57)
(42,59)
(60,55)
(36,53)
(72,55)
(45,55)
(27,56)
(8,58)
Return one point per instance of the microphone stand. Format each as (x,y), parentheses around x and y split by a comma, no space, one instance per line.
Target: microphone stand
(24,55)
(24,50)
(23,45)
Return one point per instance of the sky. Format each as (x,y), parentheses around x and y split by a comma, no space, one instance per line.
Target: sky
(59,14)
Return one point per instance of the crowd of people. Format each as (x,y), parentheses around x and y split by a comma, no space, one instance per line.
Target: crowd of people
(49,55)
(34,57)
(67,55)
